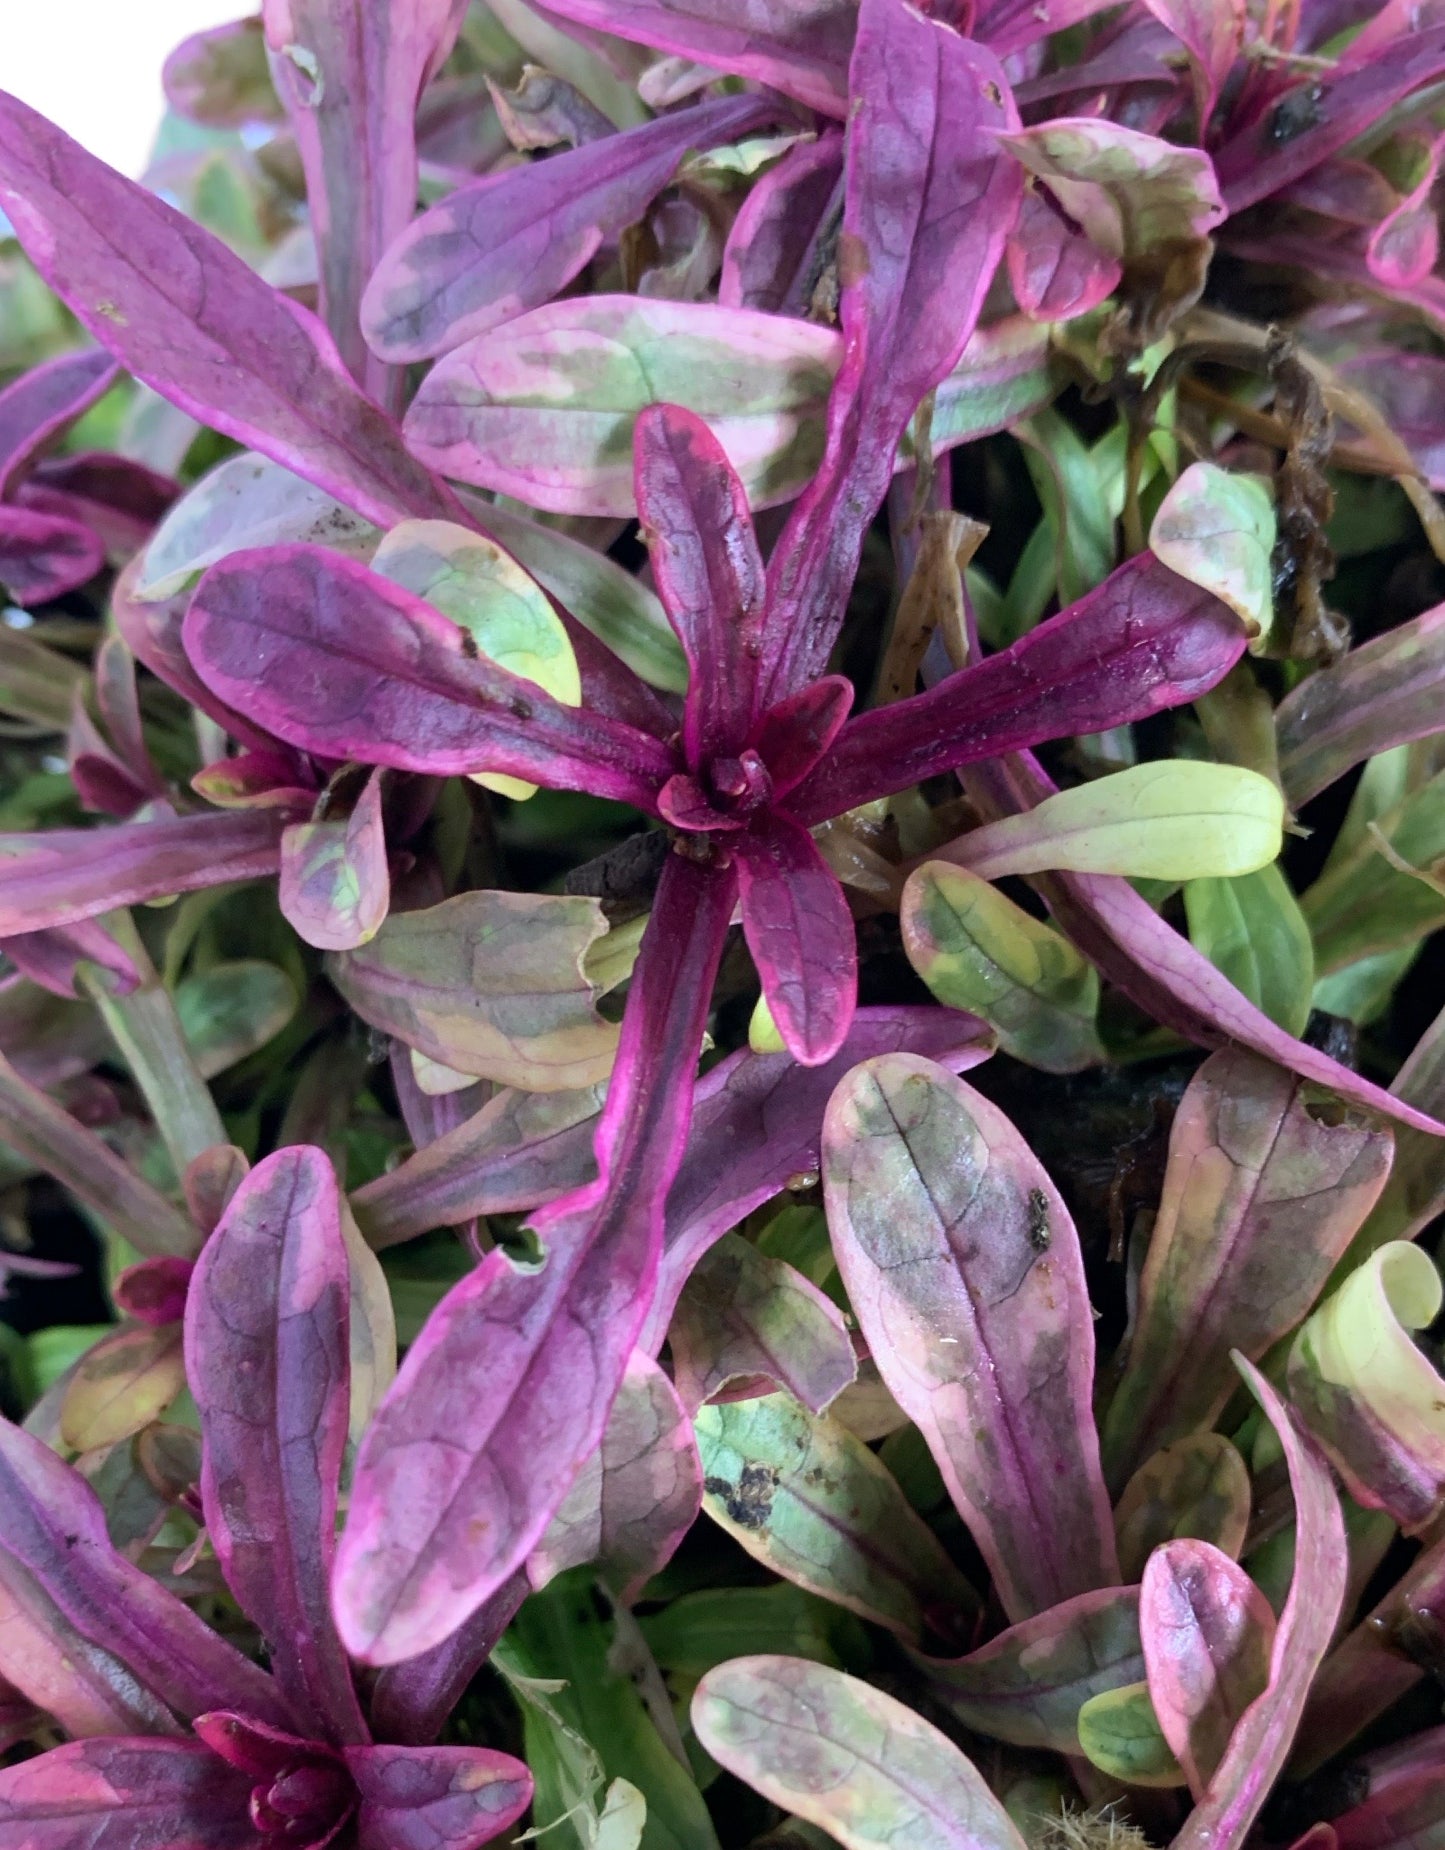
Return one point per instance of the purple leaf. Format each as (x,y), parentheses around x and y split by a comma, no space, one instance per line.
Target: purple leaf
(964,1271)
(41,404)
(87,1636)
(220,77)
(745,1315)
(188,317)
(59,876)
(153,1291)
(1409,389)
(121,1794)
(1055,272)
(1013,25)
(708,572)
(1207,1632)
(511,241)
(929,200)
(1262,1195)
(800,47)
(507,1390)
(800,932)
(338,661)
(49,957)
(351,78)
(435,1798)
(636,1496)
(774,241)
(1027,1685)
(266,1356)
(411,1701)
(1211,31)
(42,556)
(334,887)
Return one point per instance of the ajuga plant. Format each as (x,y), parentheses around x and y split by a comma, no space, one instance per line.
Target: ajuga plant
(607,598)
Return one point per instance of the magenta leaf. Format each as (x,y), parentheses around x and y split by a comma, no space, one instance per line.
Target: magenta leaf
(340,662)
(120,1794)
(87,1636)
(435,1798)
(929,201)
(1211,32)
(334,884)
(774,238)
(351,78)
(1207,1632)
(411,1701)
(188,317)
(267,1324)
(964,1271)
(512,241)
(800,932)
(1056,273)
(41,404)
(49,957)
(506,1392)
(42,556)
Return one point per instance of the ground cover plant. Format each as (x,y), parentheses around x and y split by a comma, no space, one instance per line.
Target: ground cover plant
(722,1068)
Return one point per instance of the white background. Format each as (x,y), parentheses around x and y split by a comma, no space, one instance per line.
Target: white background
(94,66)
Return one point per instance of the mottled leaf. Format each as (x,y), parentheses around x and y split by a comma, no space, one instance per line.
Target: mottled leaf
(1217,530)
(334,887)
(799,929)
(119,1793)
(229,1011)
(1197,1488)
(123,1383)
(435,1798)
(220,77)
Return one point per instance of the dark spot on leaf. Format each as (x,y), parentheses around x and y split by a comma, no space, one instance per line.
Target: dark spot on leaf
(469,646)
(1039,1235)
(749,1502)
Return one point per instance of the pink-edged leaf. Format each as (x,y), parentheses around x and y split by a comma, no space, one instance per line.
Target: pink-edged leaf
(220,77)
(1262,1195)
(334,885)
(1207,1632)
(1383,694)
(846,1757)
(338,661)
(800,932)
(774,238)
(49,957)
(964,1271)
(42,556)
(793,735)
(1013,25)
(153,1291)
(1027,1685)
(40,405)
(435,1798)
(121,1794)
(59,876)
(800,47)
(1342,103)
(757,1123)
(635,1497)
(45,1134)
(1212,32)
(87,1636)
(1261,1740)
(1401,250)
(707,570)
(351,78)
(507,1391)
(1143,641)
(191,319)
(929,200)
(745,1315)
(411,1701)
(513,240)
(1055,271)
(267,1323)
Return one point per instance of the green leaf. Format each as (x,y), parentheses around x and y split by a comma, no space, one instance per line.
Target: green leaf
(1251,927)
(1120,1734)
(1217,529)
(232,1010)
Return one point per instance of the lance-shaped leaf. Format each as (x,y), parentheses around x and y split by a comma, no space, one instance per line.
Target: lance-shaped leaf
(512,241)
(543,407)
(87,1636)
(220,77)
(111,1794)
(1211,32)
(267,1322)
(636,1496)
(1174,820)
(758,1123)
(775,234)
(45,1134)
(1261,1740)
(412,1700)
(1262,1194)
(745,1314)
(846,1757)
(1380,893)
(801,50)
(188,317)
(41,404)
(1412,1196)
(800,932)
(58,876)
(335,659)
(1218,530)
(507,1391)
(964,1271)
(122,1383)
(42,556)
(334,887)
(927,209)
(1371,1397)
(1252,930)
(1144,640)
(978,950)
(1027,1685)
(493,984)
(435,1798)
(1196,1488)
(810,1501)
(351,78)
(52,958)
(1207,1631)
(1382,694)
